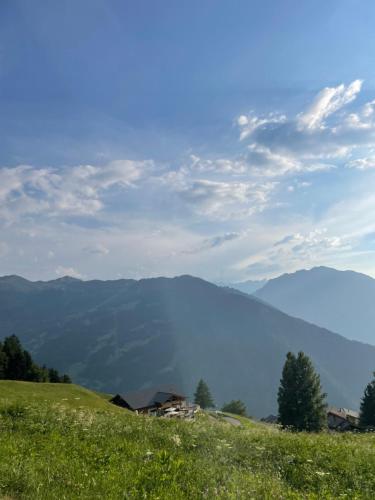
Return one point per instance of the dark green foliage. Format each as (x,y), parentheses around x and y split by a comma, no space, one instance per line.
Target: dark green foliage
(65,379)
(301,401)
(367,417)
(17,364)
(237,407)
(3,362)
(53,375)
(202,396)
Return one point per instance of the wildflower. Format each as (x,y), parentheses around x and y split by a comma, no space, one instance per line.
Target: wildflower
(176,439)
(321,473)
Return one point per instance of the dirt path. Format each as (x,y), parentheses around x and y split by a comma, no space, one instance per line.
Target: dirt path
(232,421)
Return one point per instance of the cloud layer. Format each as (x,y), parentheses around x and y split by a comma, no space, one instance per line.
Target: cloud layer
(260,210)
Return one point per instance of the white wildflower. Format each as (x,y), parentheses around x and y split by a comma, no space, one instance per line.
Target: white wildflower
(176,439)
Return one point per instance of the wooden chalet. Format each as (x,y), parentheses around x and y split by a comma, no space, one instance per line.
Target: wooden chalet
(152,401)
(342,419)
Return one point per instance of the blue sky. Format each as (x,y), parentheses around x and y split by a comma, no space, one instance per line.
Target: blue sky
(230,140)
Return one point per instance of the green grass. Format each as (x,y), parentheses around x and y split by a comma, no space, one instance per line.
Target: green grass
(54,446)
(67,395)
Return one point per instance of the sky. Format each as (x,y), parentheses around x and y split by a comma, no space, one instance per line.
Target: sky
(227,140)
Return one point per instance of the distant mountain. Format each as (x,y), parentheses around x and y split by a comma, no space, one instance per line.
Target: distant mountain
(248,286)
(341,301)
(125,335)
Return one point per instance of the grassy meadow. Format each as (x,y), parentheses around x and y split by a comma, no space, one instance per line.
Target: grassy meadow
(65,442)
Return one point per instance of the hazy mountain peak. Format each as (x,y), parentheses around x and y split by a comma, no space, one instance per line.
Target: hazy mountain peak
(342,301)
(65,279)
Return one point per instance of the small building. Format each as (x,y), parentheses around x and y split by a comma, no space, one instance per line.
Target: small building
(152,401)
(342,419)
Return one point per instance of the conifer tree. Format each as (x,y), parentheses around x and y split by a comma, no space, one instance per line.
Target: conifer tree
(202,396)
(17,364)
(301,401)
(3,362)
(237,407)
(367,415)
(65,379)
(53,375)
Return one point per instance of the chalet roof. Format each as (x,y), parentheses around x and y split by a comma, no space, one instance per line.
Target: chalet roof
(337,413)
(152,396)
(343,413)
(351,413)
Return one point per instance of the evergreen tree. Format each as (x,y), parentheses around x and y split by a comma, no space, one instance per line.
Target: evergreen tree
(367,415)
(17,364)
(65,379)
(301,401)
(53,375)
(202,396)
(3,362)
(235,406)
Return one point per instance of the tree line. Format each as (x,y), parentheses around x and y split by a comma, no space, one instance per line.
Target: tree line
(17,364)
(204,399)
(301,400)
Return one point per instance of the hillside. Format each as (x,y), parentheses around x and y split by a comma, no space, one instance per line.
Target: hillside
(49,449)
(341,301)
(119,336)
(68,395)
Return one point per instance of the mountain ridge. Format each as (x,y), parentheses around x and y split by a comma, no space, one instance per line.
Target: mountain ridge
(341,301)
(122,335)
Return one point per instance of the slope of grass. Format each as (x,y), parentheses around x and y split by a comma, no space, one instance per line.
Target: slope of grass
(54,448)
(68,395)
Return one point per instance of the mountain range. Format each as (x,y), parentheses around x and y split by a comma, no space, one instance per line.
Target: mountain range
(248,286)
(123,335)
(341,301)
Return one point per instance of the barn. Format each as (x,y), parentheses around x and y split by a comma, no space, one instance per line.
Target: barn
(151,401)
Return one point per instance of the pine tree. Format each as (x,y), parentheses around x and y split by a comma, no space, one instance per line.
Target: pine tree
(65,379)
(53,375)
(237,407)
(367,415)
(202,396)
(17,364)
(301,401)
(3,362)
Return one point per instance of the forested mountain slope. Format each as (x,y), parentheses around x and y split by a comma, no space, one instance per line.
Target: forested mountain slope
(123,335)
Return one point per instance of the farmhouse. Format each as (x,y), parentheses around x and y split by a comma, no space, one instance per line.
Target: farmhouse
(152,401)
(342,419)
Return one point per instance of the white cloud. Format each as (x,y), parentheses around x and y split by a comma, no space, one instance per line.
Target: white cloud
(315,140)
(237,215)
(62,271)
(327,102)
(296,251)
(226,199)
(250,123)
(363,163)
(213,242)
(76,191)
(219,165)
(96,249)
